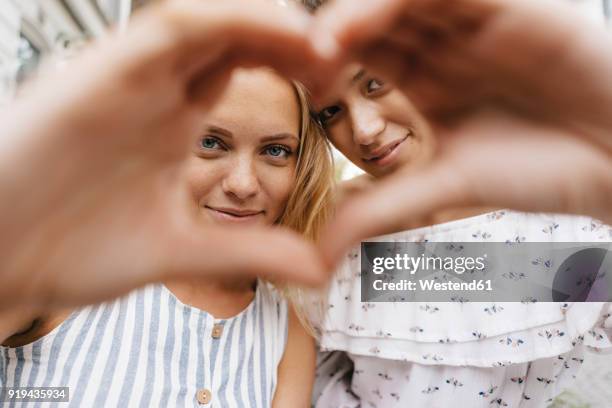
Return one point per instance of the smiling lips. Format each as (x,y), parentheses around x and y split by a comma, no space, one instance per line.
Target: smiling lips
(385,154)
(233,214)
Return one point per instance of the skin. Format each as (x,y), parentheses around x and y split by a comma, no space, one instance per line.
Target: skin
(370,115)
(296,371)
(466,67)
(247,164)
(240,174)
(111,134)
(236,166)
(156,80)
(505,131)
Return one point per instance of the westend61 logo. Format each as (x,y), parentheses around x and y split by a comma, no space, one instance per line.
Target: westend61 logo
(481,272)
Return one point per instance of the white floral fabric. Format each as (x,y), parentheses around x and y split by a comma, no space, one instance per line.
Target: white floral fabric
(442,353)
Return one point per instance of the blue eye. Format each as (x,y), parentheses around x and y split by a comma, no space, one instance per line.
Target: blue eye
(209,143)
(278,151)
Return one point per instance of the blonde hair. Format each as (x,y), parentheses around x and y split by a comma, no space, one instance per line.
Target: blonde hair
(310,204)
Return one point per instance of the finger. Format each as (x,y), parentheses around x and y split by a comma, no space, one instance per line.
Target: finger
(426,32)
(254,31)
(342,26)
(179,38)
(274,254)
(418,26)
(392,206)
(411,74)
(443,84)
(205,87)
(457,15)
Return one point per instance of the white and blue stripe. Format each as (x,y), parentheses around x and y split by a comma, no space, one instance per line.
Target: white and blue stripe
(149,349)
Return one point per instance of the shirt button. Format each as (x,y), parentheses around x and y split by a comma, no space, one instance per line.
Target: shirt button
(204,396)
(217,331)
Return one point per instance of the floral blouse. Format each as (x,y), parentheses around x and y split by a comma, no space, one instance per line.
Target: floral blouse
(492,354)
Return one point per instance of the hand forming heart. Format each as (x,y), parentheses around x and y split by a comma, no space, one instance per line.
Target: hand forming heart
(92,199)
(519,98)
(467,66)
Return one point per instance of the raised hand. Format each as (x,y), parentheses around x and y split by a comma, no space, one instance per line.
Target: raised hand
(93,202)
(541,58)
(518,94)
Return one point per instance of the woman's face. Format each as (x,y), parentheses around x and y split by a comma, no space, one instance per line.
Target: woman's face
(243,164)
(374,125)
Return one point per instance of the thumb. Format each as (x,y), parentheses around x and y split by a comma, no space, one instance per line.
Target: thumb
(390,207)
(274,254)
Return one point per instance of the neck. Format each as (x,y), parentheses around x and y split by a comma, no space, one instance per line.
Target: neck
(221,297)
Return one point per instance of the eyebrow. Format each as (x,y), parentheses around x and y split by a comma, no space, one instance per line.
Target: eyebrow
(280,136)
(228,134)
(217,129)
(358,75)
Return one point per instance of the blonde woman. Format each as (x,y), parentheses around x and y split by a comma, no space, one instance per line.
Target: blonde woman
(260,160)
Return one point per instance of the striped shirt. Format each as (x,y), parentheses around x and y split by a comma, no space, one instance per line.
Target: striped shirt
(149,349)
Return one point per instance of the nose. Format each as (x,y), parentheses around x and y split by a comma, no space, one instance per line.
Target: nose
(366,122)
(241,181)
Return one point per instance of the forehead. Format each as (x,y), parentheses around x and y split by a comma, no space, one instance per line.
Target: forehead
(351,74)
(257,101)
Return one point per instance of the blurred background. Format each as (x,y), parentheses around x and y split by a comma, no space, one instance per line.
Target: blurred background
(33,32)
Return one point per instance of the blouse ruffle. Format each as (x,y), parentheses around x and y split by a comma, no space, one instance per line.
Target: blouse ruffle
(484,334)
